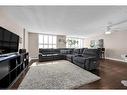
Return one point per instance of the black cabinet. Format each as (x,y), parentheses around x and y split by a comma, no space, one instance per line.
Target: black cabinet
(5,82)
(4,68)
(11,68)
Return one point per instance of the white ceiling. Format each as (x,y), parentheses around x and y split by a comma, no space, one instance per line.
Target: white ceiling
(67,20)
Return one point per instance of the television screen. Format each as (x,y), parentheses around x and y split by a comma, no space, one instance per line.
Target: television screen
(8,41)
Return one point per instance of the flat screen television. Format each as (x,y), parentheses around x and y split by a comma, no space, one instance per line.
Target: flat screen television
(9,41)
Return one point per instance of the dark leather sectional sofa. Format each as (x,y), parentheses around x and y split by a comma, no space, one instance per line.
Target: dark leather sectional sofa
(83,57)
(53,54)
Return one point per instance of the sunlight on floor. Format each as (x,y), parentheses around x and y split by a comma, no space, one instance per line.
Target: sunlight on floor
(48,62)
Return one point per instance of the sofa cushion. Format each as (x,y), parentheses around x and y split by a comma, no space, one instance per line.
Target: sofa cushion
(70,56)
(46,51)
(65,51)
(56,51)
(76,51)
(90,51)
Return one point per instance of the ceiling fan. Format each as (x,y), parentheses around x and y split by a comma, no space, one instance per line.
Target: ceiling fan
(108,31)
(111,27)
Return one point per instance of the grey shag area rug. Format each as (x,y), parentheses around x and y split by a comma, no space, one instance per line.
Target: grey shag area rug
(56,75)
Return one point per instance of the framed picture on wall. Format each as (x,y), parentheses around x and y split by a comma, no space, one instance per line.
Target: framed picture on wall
(92,43)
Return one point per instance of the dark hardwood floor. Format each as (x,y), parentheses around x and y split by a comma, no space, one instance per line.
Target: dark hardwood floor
(111,73)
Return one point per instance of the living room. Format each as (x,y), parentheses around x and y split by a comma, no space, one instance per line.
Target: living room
(63,47)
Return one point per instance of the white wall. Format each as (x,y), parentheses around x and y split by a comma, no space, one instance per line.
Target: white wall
(114,43)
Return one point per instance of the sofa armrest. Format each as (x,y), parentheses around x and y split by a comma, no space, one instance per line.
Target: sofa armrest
(90,59)
(40,54)
(91,63)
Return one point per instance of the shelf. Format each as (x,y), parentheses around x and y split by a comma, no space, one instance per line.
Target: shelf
(13,67)
(13,75)
(16,78)
(4,82)
(19,70)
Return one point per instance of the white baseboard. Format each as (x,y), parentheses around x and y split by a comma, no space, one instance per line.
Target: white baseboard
(115,59)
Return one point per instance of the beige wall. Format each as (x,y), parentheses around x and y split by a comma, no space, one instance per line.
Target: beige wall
(61,41)
(33,45)
(114,43)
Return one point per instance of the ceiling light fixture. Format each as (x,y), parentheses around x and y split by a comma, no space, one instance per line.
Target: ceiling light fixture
(108,30)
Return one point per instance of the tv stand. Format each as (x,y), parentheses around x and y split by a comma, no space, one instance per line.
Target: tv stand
(11,66)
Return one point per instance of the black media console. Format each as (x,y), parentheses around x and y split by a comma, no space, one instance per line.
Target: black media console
(11,67)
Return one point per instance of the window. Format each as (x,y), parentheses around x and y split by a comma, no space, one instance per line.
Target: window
(47,41)
(73,42)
